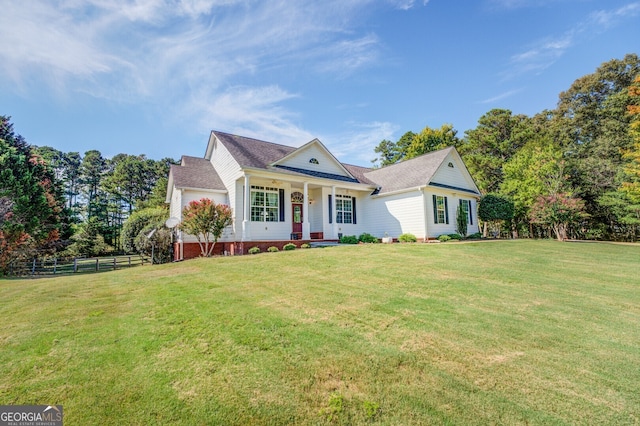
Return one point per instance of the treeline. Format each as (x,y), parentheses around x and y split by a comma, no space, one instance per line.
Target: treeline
(67,203)
(101,193)
(573,169)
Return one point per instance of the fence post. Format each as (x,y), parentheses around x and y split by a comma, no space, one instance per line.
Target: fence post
(114,263)
(33,268)
(97,266)
(129,261)
(75,265)
(55,264)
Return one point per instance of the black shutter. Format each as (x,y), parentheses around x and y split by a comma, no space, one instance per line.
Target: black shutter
(244,210)
(330,210)
(435,209)
(470,213)
(354,209)
(281,193)
(446,210)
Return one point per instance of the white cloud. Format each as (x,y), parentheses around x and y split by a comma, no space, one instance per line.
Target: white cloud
(184,55)
(501,96)
(405,4)
(356,144)
(545,52)
(250,111)
(604,19)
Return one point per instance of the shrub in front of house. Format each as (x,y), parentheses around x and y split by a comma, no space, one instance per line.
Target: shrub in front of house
(254,250)
(349,239)
(305,245)
(289,246)
(407,238)
(475,236)
(367,238)
(444,238)
(455,236)
(273,249)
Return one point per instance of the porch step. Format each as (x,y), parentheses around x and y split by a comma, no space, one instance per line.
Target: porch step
(321,244)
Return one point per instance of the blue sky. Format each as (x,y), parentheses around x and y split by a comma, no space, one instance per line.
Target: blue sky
(155,77)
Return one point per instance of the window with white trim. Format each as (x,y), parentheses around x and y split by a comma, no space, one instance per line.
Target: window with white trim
(344,209)
(265,204)
(440,213)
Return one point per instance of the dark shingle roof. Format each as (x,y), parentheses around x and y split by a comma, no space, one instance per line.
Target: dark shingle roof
(408,174)
(249,152)
(197,173)
(414,173)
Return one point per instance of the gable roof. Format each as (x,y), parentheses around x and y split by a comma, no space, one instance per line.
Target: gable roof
(250,152)
(254,153)
(195,173)
(413,173)
(323,150)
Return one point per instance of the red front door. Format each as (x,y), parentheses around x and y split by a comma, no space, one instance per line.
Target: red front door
(297,219)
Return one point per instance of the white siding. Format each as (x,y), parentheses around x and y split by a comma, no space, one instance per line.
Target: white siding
(192,195)
(175,208)
(452,176)
(396,214)
(326,162)
(453,197)
(270,230)
(229,171)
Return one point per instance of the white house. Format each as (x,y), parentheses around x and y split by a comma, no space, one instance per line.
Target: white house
(281,194)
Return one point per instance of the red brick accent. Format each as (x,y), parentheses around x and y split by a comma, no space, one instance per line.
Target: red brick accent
(192,250)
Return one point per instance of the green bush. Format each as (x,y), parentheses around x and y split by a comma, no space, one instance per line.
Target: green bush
(305,245)
(349,239)
(273,249)
(367,238)
(254,250)
(455,236)
(407,238)
(444,238)
(289,246)
(475,236)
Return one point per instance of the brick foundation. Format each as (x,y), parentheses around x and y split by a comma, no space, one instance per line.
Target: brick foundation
(192,250)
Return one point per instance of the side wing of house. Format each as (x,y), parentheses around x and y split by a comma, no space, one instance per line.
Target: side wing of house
(451,186)
(192,180)
(420,196)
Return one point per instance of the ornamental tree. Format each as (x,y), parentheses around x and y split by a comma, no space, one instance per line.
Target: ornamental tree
(558,211)
(206,220)
(494,209)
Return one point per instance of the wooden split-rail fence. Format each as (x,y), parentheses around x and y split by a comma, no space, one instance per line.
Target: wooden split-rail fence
(54,266)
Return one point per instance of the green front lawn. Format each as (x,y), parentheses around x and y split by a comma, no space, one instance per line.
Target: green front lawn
(508,332)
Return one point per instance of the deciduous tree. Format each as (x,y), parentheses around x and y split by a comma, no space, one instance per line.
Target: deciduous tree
(558,211)
(494,209)
(206,221)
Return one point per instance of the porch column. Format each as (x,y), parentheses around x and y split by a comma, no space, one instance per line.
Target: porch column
(246,222)
(334,229)
(306,226)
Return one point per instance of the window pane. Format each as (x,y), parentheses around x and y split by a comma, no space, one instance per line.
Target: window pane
(440,208)
(272,215)
(257,214)
(272,199)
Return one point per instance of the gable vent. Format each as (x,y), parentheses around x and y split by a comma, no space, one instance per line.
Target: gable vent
(450,165)
(314,161)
